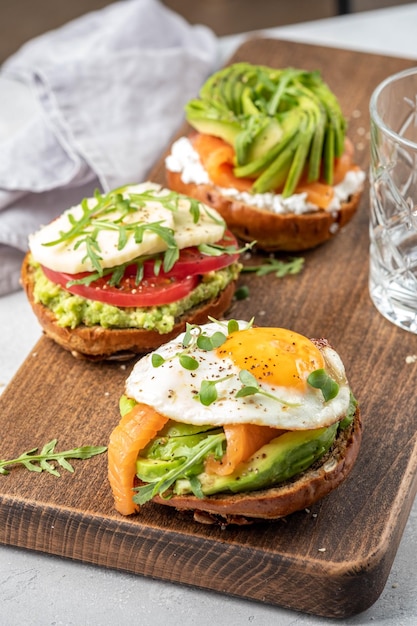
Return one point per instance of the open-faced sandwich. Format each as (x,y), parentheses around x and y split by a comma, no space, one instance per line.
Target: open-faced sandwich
(268,149)
(234,422)
(123,272)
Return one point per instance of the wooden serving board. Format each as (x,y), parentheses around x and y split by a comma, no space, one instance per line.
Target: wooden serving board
(332,560)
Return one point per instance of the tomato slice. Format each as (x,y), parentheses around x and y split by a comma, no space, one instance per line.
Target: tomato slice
(152,291)
(192,261)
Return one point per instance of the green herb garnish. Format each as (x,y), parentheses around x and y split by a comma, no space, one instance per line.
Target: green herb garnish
(208,392)
(191,457)
(193,337)
(43,461)
(242,292)
(251,387)
(319,379)
(276,266)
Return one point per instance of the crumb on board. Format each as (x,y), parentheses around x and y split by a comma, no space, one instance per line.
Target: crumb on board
(411,358)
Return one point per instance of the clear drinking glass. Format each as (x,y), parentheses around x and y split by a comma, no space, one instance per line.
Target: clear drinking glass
(393,196)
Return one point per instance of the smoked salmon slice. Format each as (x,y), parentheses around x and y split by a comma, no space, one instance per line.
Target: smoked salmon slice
(218,159)
(242,440)
(134,431)
(319,194)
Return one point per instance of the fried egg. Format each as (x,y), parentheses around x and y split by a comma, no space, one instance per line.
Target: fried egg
(255,375)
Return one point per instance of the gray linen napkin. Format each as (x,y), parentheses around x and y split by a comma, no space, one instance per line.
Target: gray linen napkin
(91,105)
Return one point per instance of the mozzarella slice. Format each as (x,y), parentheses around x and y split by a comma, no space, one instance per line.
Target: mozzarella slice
(72,256)
(208,229)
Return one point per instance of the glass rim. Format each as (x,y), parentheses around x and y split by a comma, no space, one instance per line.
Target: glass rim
(375,116)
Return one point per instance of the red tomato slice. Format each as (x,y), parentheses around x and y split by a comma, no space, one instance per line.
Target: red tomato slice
(152,291)
(192,261)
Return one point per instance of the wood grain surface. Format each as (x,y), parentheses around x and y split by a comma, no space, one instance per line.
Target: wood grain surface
(332,560)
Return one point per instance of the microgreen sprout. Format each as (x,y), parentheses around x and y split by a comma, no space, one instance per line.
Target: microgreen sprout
(231,325)
(157,360)
(204,342)
(188,362)
(193,337)
(319,379)
(208,392)
(252,387)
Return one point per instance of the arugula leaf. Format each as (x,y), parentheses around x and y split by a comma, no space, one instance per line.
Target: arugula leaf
(42,461)
(276,266)
(192,456)
(195,485)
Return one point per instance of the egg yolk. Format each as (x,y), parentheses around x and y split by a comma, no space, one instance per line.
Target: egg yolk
(274,355)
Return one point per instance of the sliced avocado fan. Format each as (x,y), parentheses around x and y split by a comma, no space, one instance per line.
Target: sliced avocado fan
(281,123)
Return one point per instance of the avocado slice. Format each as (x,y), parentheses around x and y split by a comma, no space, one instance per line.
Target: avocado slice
(280,459)
(211,122)
(256,145)
(281,123)
(173,445)
(266,152)
(177,463)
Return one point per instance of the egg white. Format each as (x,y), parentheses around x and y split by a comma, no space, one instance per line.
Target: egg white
(174,391)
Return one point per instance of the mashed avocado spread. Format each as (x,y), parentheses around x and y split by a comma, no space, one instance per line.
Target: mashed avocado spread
(72,311)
